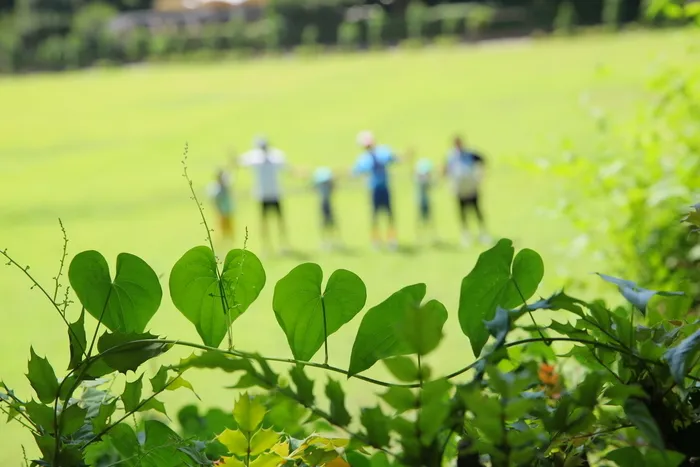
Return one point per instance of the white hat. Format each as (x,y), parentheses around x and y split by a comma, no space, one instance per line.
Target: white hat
(365,138)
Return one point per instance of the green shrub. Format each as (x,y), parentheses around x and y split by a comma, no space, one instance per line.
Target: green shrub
(565,21)
(375,28)
(478,17)
(349,35)
(136,45)
(415,21)
(611,13)
(309,40)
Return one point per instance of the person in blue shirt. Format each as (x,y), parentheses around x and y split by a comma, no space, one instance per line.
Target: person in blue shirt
(324,185)
(373,163)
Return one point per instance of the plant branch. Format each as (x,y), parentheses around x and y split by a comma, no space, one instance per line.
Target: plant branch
(57,279)
(529,312)
(200,208)
(19,420)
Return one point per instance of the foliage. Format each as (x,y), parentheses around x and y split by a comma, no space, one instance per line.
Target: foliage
(557,381)
(645,189)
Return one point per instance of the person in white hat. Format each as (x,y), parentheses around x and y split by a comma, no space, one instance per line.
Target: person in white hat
(373,162)
(267,163)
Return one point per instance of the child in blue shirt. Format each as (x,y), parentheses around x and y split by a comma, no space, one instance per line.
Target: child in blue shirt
(324,184)
(373,163)
(220,193)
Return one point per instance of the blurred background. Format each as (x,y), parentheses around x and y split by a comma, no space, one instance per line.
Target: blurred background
(585,113)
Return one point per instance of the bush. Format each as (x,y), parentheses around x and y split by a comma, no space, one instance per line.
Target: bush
(612,10)
(415,21)
(375,28)
(565,21)
(309,40)
(349,35)
(478,17)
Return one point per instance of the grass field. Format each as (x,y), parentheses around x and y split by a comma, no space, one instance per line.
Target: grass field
(102,148)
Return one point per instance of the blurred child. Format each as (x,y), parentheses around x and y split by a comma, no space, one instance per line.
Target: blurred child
(374,162)
(424,184)
(220,193)
(324,184)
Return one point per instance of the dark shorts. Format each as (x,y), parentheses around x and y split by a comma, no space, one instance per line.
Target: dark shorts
(271,205)
(381,200)
(327,214)
(468,201)
(424,210)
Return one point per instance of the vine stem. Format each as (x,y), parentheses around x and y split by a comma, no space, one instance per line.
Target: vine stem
(325,330)
(62,263)
(200,208)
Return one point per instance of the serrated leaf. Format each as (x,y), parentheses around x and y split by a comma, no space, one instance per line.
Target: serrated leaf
(308,316)
(263,441)
(588,391)
(127,352)
(339,414)
(421,328)
(235,441)
(159,380)
(304,386)
(42,378)
(403,368)
(249,413)
(637,296)
(77,341)
(626,457)
(401,399)
(497,280)
(376,425)
(266,460)
(125,304)
(177,382)
(104,413)
(215,360)
(499,326)
(153,404)
(132,394)
(680,357)
(198,293)
(231,462)
(40,414)
(377,336)
(124,440)
(639,415)
(72,419)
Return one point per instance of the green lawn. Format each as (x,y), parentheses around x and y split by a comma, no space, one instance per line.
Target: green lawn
(102,150)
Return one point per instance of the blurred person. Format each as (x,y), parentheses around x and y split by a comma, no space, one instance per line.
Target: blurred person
(220,192)
(373,162)
(424,184)
(266,163)
(465,169)
(324,184)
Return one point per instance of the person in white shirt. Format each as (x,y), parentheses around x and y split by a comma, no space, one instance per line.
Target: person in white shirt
(267,163)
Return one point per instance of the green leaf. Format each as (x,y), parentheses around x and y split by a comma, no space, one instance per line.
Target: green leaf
(432,419)
(377,426)
(403,368)
(249,413)
(305,386)
(496,280)
(124,440)
(215,360)
(42,378)
(619,393)
(637,296)
(421,328)
(308,316)
(639,415)
(106,411)
(262,441)
(198,293)
(77,341)
(125,304)
(401,399)
(160,379)
(339,414)
(177,382)
(377,337)
(499,326)
(235,441)
(129,351)
(153,404)
(588,391)
(626,457)
(40,414)
(131,397)
(679,358)
(267,460)
(72,419)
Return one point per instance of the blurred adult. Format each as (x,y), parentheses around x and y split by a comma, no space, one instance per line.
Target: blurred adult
(465,168)
(266,164)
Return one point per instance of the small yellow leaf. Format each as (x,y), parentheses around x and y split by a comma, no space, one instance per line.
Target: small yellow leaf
(338,462)
(248,413)
(262,441)
(281,449)
(231,462)
(267,460)
(235,442)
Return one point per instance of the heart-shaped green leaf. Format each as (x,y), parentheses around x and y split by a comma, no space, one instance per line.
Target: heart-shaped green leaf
(496,280)
(378,336)
(200,295)
(307,315)
(126,303)
(128,351)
